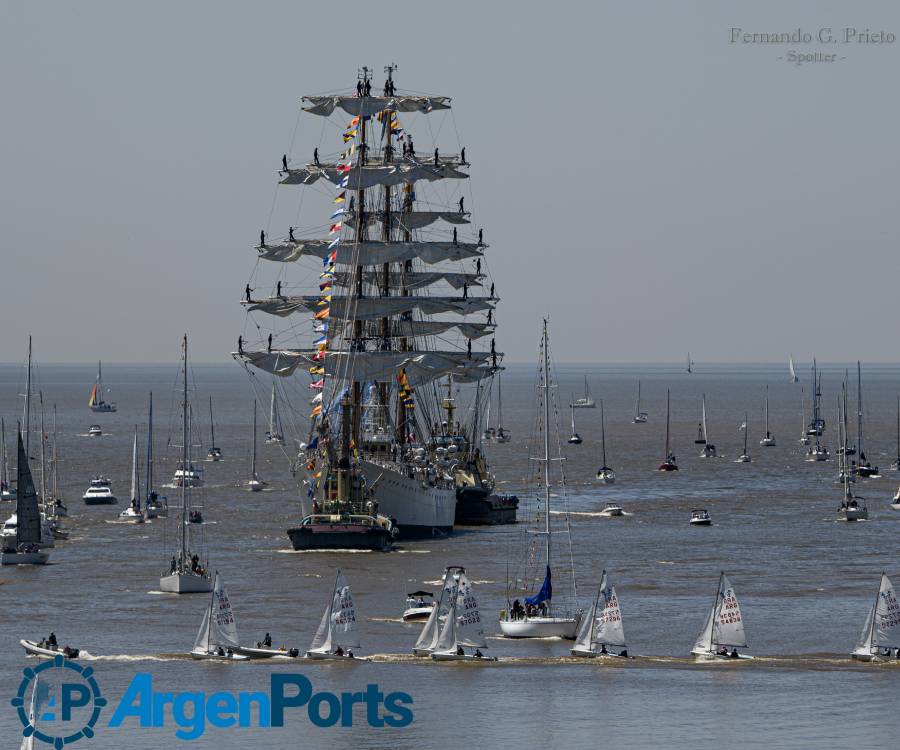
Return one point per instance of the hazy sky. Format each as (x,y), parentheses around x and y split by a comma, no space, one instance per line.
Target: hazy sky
(652,186)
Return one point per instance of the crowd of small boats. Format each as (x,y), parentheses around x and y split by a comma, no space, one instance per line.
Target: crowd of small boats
(454,630)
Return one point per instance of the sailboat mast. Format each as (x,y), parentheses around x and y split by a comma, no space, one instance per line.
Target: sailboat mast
(134,471)
(767,411)
(184,454)
(212,426)
(253,455)
(667,424)
(43,473)
(54,489)
(859,413)
(28,403)
(898,433)
(602,433)
(4,465)
(547,441)
(149,484)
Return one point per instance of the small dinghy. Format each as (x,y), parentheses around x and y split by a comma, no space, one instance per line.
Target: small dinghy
(264,650)
(880,637)
(723,633)
(337,635)
(601,626)
(700,517)
(419,605)
(428,638)
(462,628)
(48,649)
(217,638)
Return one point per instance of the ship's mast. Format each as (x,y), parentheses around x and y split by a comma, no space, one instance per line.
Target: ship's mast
(28,402)
(184,452)
(547,442)
(149,483)
(43,473)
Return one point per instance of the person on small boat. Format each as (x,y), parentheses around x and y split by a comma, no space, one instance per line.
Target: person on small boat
(267,641)
(478,654)
(624,653)
(229,653)
(460,651)
(722,651)
(51,641)
(220,651)
(173,565)
(349,654)
(734,653)
(603,649)
(339,651)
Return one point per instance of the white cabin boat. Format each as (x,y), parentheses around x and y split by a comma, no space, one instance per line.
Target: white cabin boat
(100,492)
(419,606)
(700,517)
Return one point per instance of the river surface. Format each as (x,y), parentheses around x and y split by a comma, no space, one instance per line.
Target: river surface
(804,580)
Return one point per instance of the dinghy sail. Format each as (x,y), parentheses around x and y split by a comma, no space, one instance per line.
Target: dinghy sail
(337,634)
(601,627)
(428,638)
(723,632)
(217,637)
(881,631)
(463,627)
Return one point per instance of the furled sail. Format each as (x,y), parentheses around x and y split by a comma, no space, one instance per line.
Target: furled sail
(412,328)
(411,279)
(409,220)
(373,175)
(372,253)
(370,308)
(372,105)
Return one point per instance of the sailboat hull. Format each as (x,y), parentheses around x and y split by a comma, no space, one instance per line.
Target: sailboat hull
(185,583)
(417,508)
(213,656)
(328,656)
(24,558)
(713,656)
(479,506)
(453,656)
(540,627)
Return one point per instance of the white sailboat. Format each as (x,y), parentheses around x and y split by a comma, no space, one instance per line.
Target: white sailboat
(133,513)
(156,505)
(217,638)
(586,401)
(864,468)
(723,632)
(96,401)
(881,632)
(275,434)
(601,626)
(804,438)
(768,440)
(254,483)
(54,506)
(708,450)
(214,453)
(24,548)
(38,692)
(6,493)
(744,458)
(539,618)
(669,463)
(791,374)
(430,635)
(604,473)
(575,439)
(462,627)
(337,635)
(187,574)
(640,416)
(852,507)
(817,452)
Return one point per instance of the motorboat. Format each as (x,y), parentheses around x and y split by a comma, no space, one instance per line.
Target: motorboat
(192,477)
(612,509)
(100,492)
(700,517)
(46,650)
(419,605)
(95,430)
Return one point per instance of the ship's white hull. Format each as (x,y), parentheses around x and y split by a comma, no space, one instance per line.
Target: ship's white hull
(417,508)
(540,627)
(185,583)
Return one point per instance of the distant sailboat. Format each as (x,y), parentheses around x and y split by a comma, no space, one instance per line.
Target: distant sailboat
(895,465)
(575,439)
(640,417)
(769,439)
(254,483)
(214,453)
(723,634)
(690,363)
(586,401)
(604,473)
(709,450)
(275,434)
(669,463)
(852,507)
(217,637)
(337,635)
(791,373)
(804,438)
(864,468)
(881,631)
(95,400)
(156,505)
(744,458)
(817,452)
(601,626)
(24,547)
(133,513)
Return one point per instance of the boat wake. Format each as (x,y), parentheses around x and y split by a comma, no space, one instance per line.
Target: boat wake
(321,551)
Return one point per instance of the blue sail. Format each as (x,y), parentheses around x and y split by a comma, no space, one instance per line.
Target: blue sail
(545,594)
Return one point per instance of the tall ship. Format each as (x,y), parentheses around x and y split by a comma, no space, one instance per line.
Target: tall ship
(390,301)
